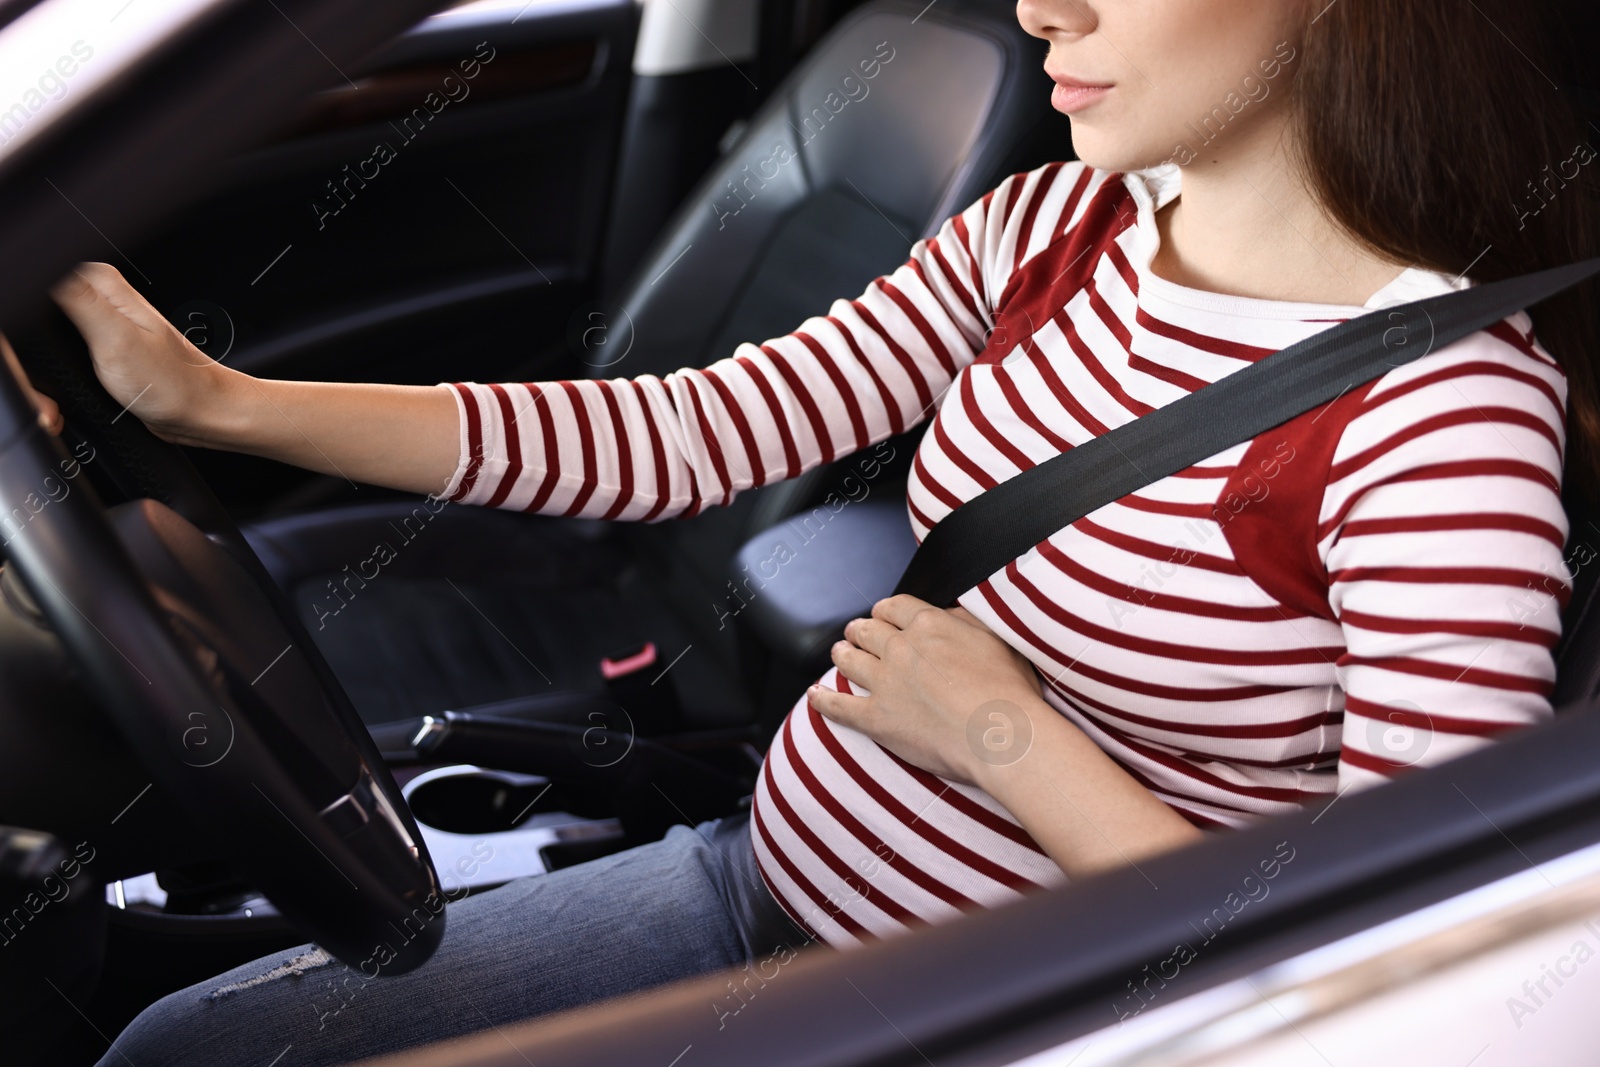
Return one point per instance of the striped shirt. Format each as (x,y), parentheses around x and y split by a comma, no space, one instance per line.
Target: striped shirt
(1372,586)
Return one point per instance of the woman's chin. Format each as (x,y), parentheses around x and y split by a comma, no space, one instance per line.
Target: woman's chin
(1098,157)
(1108,152)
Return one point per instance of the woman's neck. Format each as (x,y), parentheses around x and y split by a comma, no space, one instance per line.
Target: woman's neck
(1245,225)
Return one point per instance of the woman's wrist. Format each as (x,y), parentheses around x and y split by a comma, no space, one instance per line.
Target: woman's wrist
(223,411)
(1016,746)
(1083,809)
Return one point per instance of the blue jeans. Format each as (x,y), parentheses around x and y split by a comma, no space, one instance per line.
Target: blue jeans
(685,905)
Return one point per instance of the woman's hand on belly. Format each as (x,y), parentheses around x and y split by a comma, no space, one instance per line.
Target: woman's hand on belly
(944,693)
(940,686)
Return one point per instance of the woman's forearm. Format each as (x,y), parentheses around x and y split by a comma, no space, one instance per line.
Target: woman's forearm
(1085,811)
(399,436)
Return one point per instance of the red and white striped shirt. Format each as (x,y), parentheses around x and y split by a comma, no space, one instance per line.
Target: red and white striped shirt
(1374,585)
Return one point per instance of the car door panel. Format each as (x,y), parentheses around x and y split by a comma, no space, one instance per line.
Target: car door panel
(435,215)
(472,149)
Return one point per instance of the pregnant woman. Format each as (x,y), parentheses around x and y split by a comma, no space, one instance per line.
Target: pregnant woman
(1373,586)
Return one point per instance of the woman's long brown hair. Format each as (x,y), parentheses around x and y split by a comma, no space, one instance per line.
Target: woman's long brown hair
(1443,134)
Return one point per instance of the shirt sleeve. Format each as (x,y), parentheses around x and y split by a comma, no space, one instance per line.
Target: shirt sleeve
(651,448)
(1442,532)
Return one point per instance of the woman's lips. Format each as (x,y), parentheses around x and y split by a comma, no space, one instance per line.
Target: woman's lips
(1072,95)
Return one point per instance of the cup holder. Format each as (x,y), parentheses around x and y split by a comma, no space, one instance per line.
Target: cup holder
(478,801)
(485,827)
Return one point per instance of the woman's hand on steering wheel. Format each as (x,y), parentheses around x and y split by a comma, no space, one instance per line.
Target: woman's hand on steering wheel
(143,361)
(403,437)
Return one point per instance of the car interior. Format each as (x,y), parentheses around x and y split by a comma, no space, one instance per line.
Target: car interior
(604,195)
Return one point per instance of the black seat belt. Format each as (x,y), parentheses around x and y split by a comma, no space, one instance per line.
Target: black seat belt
(995,527)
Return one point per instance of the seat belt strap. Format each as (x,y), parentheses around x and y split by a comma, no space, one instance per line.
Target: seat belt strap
(987,532)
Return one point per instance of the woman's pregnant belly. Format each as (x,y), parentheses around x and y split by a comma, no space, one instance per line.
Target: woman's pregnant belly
(857,844)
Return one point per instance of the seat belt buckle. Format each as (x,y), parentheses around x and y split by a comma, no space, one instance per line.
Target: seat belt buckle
(634,679)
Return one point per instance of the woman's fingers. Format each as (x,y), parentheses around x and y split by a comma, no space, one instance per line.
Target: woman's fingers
(846,709)
(50,416)
(900,609)
(858,666)
(871,635)
(120,295)
(49,411)
(82,295)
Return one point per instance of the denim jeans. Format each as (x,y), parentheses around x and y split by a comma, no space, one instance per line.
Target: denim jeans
(685,905)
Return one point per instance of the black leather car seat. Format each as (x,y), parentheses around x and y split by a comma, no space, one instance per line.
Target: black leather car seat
(482,606)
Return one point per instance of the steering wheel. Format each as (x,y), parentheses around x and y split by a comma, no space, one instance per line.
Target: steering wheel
(196,655)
